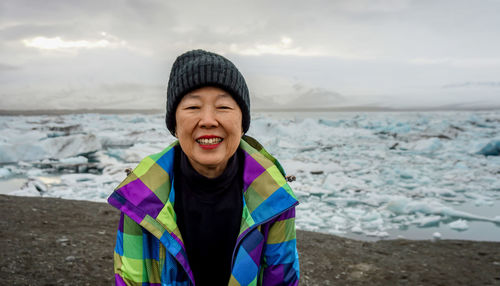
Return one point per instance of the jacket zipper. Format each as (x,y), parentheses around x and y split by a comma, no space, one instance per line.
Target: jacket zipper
(183,268)
(253,227)
(240,240)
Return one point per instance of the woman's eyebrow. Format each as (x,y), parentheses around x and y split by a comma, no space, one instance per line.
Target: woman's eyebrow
(223,95)
(197,96)
(192,96)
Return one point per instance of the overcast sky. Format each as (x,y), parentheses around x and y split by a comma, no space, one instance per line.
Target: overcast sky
(118,53)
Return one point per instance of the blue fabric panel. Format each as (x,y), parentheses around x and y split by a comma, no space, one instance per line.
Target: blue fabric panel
(151,247)
(276,203)
(245,269)
(281,253)
(119,243)
(166,161)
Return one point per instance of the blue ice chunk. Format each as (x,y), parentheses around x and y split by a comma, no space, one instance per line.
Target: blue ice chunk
(405,175)
(330,123)
(428,221)
(460,225)
(115,153)
(139,119)
(491,149)
(5,172)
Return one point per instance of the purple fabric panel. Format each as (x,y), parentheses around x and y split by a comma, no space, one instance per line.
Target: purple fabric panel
(286,215)
(126,208)
(114,202)
(178,240)
(135,191)
(256,253)
(282,274)
(252,170)
(151,205)
(182,260)
(120,224)
(119,281)
(273,275)
(265,230)
(253,245)
(132,213)
(294,283)
(180,257)
(141,196)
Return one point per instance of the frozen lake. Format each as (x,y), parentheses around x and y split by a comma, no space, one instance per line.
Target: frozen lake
(373,175)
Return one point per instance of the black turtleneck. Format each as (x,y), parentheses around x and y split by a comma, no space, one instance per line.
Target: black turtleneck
(209,216)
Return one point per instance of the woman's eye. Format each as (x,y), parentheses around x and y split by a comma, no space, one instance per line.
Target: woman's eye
(192,107)
(224,107)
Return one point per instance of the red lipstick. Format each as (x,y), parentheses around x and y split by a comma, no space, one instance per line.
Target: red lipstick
(205,145)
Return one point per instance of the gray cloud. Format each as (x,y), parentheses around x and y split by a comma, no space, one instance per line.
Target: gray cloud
(121,88)
(302,98)
(315,97)
(7,67)
(21,31)
(487,84)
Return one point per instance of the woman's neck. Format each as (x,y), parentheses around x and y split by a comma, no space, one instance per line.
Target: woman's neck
(210,172)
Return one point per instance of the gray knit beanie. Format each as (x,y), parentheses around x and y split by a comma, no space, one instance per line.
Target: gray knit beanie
(198,68)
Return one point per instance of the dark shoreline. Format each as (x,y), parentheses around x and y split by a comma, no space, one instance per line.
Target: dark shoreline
(47,241)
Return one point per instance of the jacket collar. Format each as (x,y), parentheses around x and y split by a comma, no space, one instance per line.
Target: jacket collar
(147,195)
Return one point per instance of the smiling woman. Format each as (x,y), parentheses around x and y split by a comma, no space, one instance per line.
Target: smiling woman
(213,208)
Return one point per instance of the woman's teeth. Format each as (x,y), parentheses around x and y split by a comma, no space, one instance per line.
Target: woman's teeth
(211,141)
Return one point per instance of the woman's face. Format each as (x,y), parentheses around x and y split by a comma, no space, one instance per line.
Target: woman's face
(209,129)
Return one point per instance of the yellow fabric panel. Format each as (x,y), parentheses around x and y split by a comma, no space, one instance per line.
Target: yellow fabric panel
(153,270)
(143,167)
(233,281)
(128,179)
(265,185)
(129,268)
(276,174)
(155,178)
(281,231)
(151,225)
(166,217)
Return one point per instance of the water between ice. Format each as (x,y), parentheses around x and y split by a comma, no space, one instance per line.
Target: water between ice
(476,230)
(10,185)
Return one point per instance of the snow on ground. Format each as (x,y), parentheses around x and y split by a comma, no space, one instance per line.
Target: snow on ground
(357,173)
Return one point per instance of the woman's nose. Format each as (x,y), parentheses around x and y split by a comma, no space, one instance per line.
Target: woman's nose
(208,118)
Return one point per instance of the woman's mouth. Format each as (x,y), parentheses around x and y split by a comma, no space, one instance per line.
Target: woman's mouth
(209,142)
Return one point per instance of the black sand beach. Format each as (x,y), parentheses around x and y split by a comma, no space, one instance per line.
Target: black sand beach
(45,241)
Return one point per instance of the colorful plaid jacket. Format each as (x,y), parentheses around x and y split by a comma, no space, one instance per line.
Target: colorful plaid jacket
(149,247)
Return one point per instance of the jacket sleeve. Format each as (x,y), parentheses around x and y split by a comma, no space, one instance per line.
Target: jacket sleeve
(132,266)
(281,260)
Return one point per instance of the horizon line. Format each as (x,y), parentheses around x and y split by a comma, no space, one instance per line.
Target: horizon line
(64,111)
